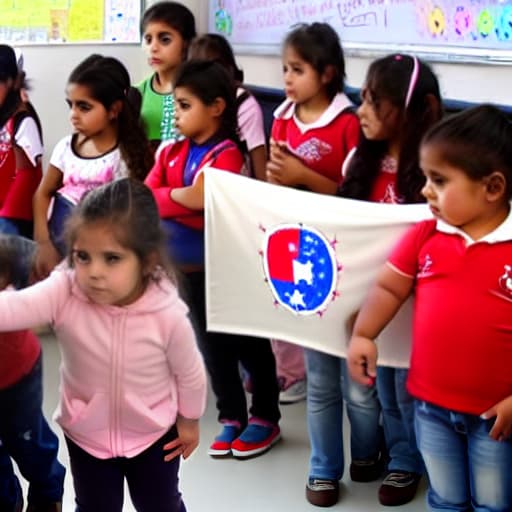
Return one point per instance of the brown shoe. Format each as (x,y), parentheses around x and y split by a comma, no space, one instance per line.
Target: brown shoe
(48,507)
(322,492)
(398,488)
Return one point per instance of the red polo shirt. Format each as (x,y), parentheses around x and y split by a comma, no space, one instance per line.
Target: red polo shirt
(462,338)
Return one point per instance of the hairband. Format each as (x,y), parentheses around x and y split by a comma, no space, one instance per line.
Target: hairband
(412,81)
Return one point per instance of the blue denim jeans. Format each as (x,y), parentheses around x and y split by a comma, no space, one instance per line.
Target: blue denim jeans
(328,383)
(27,438)
(398,419)
(468,471)
(61,210)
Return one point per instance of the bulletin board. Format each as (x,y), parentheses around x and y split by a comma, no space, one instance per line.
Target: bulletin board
(447,30)
(33,22)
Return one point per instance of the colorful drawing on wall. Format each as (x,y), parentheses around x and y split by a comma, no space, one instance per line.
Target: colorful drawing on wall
(65,21)
(449,27)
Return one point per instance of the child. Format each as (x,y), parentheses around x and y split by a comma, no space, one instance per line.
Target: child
(21,148)
(21,397)
(313,131)
(167,29)
(458,267)
(400,101)
(250,117)
(206,116)
(132,380)
(108,143)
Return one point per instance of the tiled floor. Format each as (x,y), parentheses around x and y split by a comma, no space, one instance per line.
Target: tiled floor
(272,482)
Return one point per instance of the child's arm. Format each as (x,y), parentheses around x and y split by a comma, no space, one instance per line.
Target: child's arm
(47,256)
(191,197)
(383,301)
(286,169)
(502,428)
(258,158)
(187,367)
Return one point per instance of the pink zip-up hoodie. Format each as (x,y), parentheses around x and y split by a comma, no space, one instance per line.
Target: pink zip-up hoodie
(126,372)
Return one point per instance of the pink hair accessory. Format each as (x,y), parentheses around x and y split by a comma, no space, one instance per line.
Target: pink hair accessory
(398,57)
(413,80)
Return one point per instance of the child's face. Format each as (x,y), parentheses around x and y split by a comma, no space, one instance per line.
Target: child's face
(164,46)
(194,119)
(106,272)
(302,82)
(87,115)
(378,122)
(452,196)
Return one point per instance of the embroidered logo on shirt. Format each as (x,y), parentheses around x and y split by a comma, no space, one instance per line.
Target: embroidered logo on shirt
(425,266)
(5,145)
(313,150)
(505,280)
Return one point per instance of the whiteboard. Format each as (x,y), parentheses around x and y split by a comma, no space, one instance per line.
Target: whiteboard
(447,30)
(33,22)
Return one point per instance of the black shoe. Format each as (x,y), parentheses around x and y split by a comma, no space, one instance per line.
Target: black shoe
(398,488)
(322,492)
(367,470)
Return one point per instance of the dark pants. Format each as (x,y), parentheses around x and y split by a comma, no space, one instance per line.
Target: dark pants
(27,438)
(152,482)
(224,352)
(19,227)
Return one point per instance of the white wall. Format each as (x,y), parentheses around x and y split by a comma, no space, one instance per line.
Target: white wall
(48,67)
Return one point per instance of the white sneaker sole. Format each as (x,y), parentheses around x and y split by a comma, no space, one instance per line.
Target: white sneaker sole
(250,453)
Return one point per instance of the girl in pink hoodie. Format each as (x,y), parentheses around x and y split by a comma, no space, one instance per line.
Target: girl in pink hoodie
(133,384)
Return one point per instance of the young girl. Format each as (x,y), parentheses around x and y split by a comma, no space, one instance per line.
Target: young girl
(21,401)
(21,147)
(313,131)
(133,384)
(250,117)
(400,101)
(108,143)
(167,29)
(458,267)
(206,116)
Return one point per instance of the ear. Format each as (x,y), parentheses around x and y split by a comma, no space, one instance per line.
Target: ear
(115,110)
(218,106)
(327,75)
(495,186)
(150,263)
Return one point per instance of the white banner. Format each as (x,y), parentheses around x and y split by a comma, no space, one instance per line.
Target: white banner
(293,265)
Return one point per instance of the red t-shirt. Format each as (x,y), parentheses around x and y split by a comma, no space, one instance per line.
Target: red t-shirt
(462,337)
(321,146)
(19,352)
(384,186)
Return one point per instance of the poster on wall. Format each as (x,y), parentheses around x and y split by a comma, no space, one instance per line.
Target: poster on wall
(446,29)
(35,22)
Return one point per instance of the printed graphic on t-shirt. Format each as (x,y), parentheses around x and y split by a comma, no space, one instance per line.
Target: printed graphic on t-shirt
(5,144)
(312,150)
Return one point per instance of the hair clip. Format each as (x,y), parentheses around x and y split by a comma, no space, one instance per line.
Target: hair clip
(413,80)
(398,57)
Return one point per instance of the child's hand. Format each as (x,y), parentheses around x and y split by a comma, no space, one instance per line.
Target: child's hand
(362,360)
(502,428)
(187,440)
(47,258)
(283,167)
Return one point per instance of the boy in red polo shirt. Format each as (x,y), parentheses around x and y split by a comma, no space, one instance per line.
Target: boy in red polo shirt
(459,267)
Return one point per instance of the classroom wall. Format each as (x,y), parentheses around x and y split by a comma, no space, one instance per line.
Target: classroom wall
(49,66)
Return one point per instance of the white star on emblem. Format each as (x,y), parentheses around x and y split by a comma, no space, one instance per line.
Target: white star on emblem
(297,299)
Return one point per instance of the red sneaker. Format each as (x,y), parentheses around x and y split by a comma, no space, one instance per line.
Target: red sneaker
(222,443)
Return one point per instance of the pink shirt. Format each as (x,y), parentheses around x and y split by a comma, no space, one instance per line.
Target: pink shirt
(462,337)
(126,372)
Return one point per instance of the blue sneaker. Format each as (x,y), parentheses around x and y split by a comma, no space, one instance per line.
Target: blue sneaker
(222,443)
(258,437)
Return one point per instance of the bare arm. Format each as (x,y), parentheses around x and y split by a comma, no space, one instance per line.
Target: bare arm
(192,196)
(384,299)
(258,157)
(286,169)
(47,256)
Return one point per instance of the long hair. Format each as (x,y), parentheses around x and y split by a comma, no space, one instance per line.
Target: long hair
(108,81)
(411,87)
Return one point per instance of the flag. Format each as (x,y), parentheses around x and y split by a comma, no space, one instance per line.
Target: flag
(294,265)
